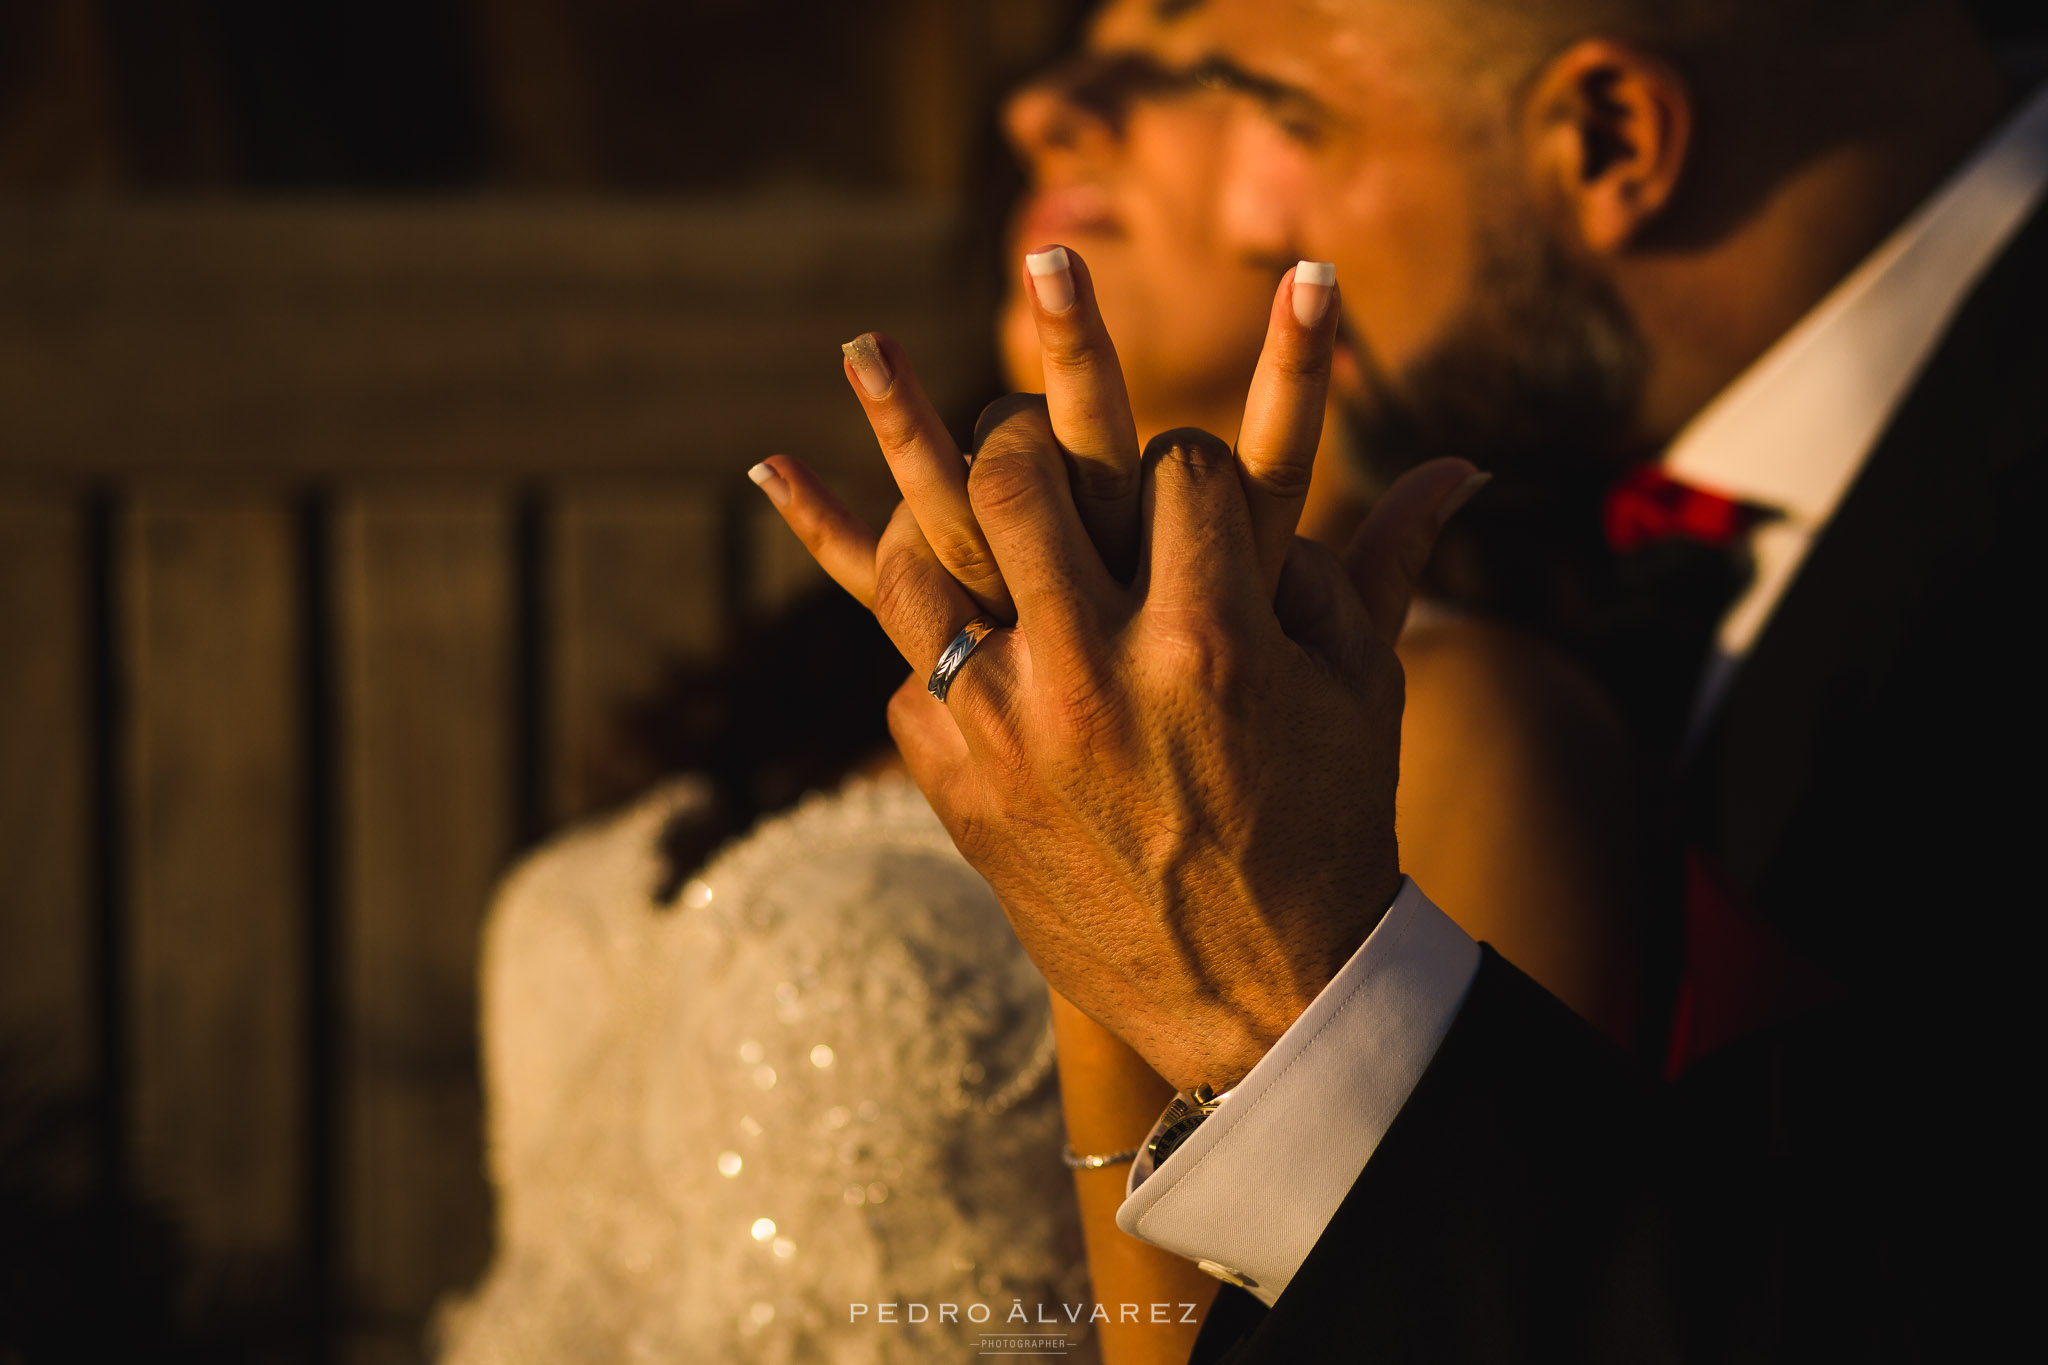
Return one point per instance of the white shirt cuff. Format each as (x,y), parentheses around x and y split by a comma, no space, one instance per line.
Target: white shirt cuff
(1249,1193)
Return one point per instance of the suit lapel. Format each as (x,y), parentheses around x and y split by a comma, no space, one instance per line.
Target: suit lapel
(1906,535)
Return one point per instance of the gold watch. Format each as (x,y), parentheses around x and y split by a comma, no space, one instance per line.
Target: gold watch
(1182,1117)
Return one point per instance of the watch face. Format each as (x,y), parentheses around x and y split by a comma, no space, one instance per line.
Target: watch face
(1174,1134)
(1180,1120)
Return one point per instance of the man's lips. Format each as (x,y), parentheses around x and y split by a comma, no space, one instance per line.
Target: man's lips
(1066,210)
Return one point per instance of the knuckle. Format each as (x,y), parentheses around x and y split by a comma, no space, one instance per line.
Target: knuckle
(896,428)
(1103,480)
(1299,362)
(1283,477)
(966,556)
(900,582)
(1192,448)
(1204,650)
(996,486)
(1009,412)
(1073,349)
(1066,349)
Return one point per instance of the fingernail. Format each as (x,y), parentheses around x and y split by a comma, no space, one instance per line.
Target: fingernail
(772,483)
(1314,283)
(1466,491)
(868,365)
(1052,278)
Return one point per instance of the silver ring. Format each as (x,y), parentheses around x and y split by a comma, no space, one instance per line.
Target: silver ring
(954,656)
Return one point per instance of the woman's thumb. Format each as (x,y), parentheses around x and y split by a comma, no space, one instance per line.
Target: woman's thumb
(1386,558)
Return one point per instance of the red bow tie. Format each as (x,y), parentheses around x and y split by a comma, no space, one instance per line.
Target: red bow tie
(1648,506)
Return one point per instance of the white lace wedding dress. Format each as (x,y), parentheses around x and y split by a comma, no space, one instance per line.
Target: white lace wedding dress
(820,1079)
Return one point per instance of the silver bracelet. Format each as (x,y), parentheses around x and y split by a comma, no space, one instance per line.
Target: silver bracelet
(1075,1161)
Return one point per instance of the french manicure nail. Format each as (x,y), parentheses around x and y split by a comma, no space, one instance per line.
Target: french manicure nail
(868,365)
(772,483)
(1314,282)
(1463,494)
(1052,278)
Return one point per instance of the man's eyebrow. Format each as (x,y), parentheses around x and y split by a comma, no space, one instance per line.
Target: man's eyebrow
(1219,72)
(1167,11)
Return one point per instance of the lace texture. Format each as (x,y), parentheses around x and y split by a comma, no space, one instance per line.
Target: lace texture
(820,1080)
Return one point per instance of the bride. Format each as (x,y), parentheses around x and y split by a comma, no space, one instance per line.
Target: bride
(803,1106)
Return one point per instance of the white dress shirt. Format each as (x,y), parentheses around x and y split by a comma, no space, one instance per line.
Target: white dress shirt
(1249,1194)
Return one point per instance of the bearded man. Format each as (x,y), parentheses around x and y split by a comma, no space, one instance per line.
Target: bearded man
(1788,251)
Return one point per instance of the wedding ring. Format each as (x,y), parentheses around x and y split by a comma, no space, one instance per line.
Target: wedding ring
(954,656)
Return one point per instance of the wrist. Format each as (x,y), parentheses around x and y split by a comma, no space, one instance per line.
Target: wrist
(1109,1094)
(1217,1042)
(1217,1051)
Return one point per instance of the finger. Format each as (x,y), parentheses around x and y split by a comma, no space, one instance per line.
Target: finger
(1387,556)
(840,541)
(926,736)
(940,759)
(920,605)
(1317,606)
(928,467)
(1022,499)
(1283,415)
(922,608)
(1199,552)
(1085,394)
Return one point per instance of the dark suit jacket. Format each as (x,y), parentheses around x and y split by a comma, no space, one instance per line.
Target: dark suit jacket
(1846,1186)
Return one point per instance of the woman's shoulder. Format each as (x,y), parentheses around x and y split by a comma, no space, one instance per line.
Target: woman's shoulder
(865,820)
(767,1123)
(587,913)
(1515,768)
(1518,808)
(614,860)
(864,875)
(608,859)
(1492,688)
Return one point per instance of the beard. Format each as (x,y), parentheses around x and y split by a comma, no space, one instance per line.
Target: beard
(1536,379)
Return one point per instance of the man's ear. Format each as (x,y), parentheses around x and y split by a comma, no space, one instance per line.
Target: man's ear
(1607,126)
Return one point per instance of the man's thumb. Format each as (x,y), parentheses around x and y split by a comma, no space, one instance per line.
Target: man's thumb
(1386,558)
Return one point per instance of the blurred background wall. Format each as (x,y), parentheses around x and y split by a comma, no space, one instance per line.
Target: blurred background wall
(377,381)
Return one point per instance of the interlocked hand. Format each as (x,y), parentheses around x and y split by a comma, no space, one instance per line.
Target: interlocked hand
(1177,769)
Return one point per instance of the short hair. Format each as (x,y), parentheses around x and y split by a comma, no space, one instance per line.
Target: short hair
(1745,45)
(1691,24)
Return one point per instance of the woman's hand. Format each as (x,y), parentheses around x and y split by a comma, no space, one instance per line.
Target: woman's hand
(1208,788)
(1126,572)
(1110,1099)
(1089,416)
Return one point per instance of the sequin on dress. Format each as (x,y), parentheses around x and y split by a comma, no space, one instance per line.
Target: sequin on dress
(820,1079)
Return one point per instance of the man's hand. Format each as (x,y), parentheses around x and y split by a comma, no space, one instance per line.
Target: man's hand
(1181,789)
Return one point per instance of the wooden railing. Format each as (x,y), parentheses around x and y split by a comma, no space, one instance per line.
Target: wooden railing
(331,537)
